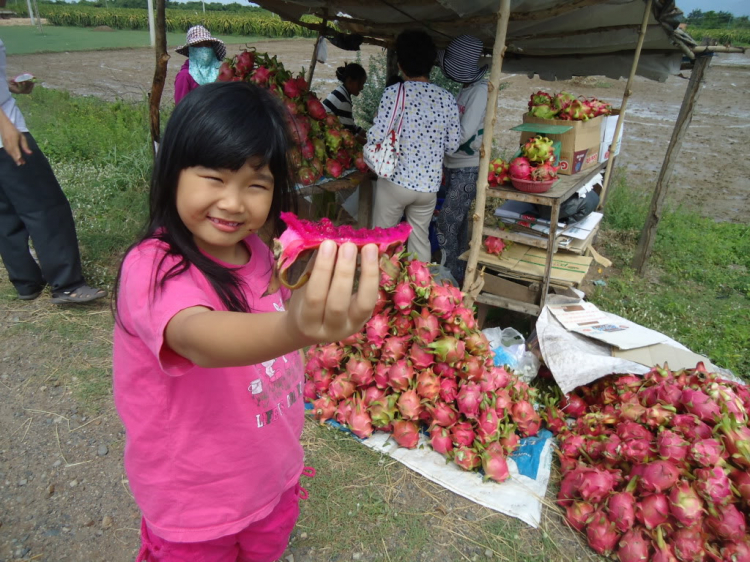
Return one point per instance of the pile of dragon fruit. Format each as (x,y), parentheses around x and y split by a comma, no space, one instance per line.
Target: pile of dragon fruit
(566,107)
(323,146)
(657,468)
(536,163)
(421,365)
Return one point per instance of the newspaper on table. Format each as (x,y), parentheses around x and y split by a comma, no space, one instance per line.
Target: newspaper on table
(586,319)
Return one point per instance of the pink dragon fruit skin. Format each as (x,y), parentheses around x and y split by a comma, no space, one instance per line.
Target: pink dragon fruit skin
(595,485)
(409,405)
(440,439)
(359,421)
(400,375)
(426,327)
(310,393)
(706,453)
(601,534)
(394,348)
(443,414)
(671,446)
(621,510)
(728,523)
(652,510)
(469,397)
(441,302)
(713,485)
(634,547)
(700,404)
(741,481)
(685,504)
(691,427)
(404,297)
(737,551)
(578,513)
(659,476)
(377,329)
(448,389)
(360,371)
(406,433)
(428,385)
(463,434)
(449,349)
(324,408)
(302,235)
(495,466)
(688,544)
(520,168)
(466,458)
(494,245)
(314,108)
(736,439)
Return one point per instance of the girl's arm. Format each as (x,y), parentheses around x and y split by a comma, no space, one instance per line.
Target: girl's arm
(324,310)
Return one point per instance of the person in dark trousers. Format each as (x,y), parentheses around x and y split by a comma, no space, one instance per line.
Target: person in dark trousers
(32,205)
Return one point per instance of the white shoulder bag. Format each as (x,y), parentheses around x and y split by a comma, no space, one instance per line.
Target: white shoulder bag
(382,157)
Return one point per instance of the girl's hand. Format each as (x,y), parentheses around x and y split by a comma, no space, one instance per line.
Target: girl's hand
(325,310)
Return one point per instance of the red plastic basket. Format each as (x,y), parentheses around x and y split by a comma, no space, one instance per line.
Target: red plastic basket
(530,186)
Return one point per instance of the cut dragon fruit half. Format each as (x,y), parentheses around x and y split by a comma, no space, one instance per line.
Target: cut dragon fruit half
(302,236)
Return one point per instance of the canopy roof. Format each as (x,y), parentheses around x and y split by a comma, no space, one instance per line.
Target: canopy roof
(553,38)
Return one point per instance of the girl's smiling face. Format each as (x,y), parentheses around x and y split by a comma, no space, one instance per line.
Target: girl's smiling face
(222,207)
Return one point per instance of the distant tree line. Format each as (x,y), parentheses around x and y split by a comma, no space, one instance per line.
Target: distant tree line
(193,5)
(699,19)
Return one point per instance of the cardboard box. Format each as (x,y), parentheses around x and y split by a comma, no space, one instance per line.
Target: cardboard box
(580,145)
(609,124)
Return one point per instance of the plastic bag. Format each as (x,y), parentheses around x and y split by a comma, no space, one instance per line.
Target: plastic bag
(322,52)
(441,273)
(509,347)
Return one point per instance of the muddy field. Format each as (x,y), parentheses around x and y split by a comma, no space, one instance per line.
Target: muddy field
(711,176)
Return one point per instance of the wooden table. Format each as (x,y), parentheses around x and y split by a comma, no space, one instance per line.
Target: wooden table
(563,189)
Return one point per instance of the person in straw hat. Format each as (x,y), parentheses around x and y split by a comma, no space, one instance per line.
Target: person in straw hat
(460,63)
(204,54)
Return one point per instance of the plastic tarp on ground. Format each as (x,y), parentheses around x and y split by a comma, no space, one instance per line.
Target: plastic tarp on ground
(553,38)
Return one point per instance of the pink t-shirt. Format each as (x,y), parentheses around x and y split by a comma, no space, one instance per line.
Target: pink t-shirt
(207,451)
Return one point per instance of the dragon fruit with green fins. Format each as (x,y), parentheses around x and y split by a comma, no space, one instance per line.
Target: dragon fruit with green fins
(303,236)
(538,150)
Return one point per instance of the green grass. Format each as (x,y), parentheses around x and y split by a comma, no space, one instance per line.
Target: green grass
(697,284)
(24,40)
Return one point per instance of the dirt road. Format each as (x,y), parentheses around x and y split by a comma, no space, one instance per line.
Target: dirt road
(712,175)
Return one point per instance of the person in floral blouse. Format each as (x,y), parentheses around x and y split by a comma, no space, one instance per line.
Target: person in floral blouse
(430,129)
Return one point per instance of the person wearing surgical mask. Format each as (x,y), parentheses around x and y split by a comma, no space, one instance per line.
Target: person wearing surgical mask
(205,54)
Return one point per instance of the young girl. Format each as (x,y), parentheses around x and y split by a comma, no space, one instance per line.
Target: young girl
(207,378)
(339,102)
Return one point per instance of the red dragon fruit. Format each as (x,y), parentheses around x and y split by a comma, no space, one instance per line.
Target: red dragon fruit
(341,387)
(595,485)
(334,168)
(291,88)
(441,302)
(315,109)
(443,414)
(495,466)
(359,421)
(428,385)
(691,427)
(573,405)
(736,438)
(659,476)
(509,439)
(685,504)
(601,534)
(688,544)
(383,411)
(621,510)
(261,76)
(706,452)
(634,547)
(360,371)
(578,514)
(487,425)
(663,551)
(467,458)
(359,162)
(494,245)
(406,433)
(409,405)
(244,63)
(330,356)
(306,176)
(736,551)
(402,325)
(741,481)
(404,297)
(448,349)
(310,391)
(727,522)
(469,397)
(372,394)
(400,375)
(394,348)
(700,404)
(631,430)
(652,510)
(440,439)
(426,327)
(324,408)
(302,236)
(526,418)
(420,357)
(226,72)
(463,434)
(713,485)
(448,389)
(520,168)
(377,329)
(544,172)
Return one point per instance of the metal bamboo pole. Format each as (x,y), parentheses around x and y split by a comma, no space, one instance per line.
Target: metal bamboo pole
(624,104)
(485,153)
(648,235)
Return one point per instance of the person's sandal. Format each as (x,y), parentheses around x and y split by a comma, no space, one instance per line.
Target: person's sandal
(82,294)
(30,296)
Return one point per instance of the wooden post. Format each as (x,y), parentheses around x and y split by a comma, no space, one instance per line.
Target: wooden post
(648,235)
(314,60)
(485,153)
(160,73)
(624,104)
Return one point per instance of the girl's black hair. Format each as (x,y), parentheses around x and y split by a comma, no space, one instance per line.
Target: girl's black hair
(219,126)
(351,70)
(415,53)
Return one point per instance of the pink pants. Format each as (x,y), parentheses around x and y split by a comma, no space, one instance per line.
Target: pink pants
(262,541)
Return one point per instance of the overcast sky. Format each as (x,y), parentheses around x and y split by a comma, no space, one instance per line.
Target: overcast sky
(737,7)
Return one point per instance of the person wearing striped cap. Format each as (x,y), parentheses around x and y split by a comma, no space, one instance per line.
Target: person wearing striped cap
(460,63)
(205,54)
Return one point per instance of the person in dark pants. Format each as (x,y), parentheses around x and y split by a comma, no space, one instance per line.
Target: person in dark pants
(32,205)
